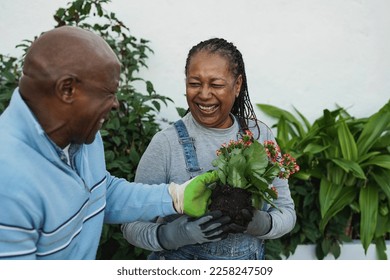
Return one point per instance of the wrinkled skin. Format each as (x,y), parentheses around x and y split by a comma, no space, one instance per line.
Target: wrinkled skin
(70,78)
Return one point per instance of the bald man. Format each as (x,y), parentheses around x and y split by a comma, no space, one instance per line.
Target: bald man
(55,191)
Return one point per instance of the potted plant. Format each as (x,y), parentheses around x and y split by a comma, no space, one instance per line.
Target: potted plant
(343,189)
(246,169)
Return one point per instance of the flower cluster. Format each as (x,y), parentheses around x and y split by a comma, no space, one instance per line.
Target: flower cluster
(287,163)
(272,150)
(242,143)
(289,166)
(249,165)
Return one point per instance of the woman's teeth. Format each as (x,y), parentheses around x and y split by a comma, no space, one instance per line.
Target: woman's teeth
(207,108)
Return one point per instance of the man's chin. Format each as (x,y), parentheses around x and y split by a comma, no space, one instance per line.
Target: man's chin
(90,139)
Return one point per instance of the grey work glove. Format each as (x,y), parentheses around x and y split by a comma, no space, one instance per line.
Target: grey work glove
(245,216)
(185,230)
(260,223)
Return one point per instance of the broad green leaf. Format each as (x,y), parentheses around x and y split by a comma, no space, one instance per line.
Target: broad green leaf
(271,173)
(335,174)
(283,131)
(346,196)
(381,160)
(347,142)
(335,250)
(305,121)
(277,113)
(383,141)
(328,194)
(236,171)
(382,178)
(382,225)
(350,166)
(374,127)
(257,157)
(381,248)
(302,175)
(314,148)
(259,182)
(367,156)
(368,201)
(221,176)
(236,178)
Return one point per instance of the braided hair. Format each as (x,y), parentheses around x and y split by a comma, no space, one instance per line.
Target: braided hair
(242,107)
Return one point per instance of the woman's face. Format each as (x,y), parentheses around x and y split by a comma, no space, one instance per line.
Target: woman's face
(211,89)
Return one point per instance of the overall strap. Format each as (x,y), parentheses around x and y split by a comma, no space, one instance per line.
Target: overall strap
(188,147)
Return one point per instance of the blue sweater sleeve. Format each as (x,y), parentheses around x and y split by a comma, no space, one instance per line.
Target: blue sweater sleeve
(129,202)
(18,240)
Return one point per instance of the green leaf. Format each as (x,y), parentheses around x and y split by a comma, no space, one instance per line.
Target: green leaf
(157,105)
(373,129)
(257,159)
(149,87)
(271,173)
(278,113)
(367,156)
(345,197)
(259,182)
(347,142)
(381,160)
(314,148)
(382,178)
(236,178)
(335,249)
(350,166)
(305,121)
(302,175)
(381,248)
(328,194)
(368,201)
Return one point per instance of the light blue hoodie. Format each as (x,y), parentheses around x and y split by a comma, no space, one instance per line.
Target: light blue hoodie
(49,210)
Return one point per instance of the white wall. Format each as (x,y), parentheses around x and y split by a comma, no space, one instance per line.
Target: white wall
(308,54)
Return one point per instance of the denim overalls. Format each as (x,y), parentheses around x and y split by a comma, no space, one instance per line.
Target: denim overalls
(235,247)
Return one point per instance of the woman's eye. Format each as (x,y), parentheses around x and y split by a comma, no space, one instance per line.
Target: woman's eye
(217,86)
(194,84)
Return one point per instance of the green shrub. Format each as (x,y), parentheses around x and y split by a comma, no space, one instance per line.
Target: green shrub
(343,189)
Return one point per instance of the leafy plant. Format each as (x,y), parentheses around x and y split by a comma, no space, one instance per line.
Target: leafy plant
(249,165)
(130,128)
(10,74)
(343,188)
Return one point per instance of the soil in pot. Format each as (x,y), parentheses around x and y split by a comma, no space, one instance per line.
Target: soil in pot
(231,201)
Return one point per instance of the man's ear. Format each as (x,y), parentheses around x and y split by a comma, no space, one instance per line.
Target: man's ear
(66,88)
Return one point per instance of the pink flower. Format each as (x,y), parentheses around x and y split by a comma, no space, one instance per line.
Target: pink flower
(275,190)
(272,150)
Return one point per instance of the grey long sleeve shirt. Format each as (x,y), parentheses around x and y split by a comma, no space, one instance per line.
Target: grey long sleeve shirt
(163,161)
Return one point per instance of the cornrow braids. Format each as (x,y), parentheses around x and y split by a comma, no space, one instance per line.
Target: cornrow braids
(242,107)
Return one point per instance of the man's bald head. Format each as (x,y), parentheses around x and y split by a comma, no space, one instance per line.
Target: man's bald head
(70,78)
(64,51)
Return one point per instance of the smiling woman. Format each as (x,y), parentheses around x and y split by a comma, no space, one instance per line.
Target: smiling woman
(219,112)
(211,89)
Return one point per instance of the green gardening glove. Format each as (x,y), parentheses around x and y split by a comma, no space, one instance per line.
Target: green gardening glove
(197,194)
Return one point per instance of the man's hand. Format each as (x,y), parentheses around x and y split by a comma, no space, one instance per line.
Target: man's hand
(193,197)
(185,230)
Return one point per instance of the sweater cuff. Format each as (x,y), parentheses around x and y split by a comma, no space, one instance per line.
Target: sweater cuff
(261,224)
